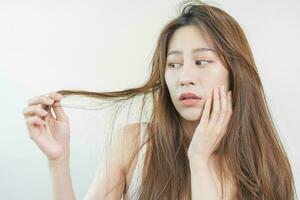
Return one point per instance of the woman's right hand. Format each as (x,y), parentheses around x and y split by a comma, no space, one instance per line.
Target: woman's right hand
(50,133)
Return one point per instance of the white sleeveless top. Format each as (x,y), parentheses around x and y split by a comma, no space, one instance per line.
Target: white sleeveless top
(137,175)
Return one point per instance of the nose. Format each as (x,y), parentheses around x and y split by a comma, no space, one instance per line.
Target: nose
(186,82)
(187,77)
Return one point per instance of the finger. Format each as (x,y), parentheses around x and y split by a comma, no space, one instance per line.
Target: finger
(205,114)
(223,113)
(49,115)
(34,120)
(55,96)
(48,119)
(229,108)
(34,110)
(43,99)
(216,107)
(59,112)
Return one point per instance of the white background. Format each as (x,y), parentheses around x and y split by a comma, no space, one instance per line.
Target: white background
(107,45)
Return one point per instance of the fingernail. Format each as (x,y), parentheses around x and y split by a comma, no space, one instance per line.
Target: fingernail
(51,100)
(222,89)
(59,95)
(44,112)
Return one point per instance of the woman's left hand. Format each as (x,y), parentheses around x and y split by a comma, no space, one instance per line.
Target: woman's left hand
(212,127)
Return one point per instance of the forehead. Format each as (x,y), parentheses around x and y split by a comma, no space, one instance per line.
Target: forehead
(188,38)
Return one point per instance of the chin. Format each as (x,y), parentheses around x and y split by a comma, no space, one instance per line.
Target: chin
(191,115)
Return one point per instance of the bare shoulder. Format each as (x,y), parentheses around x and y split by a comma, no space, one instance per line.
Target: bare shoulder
(123,146)
(129,140)
(229,183)
(110,178)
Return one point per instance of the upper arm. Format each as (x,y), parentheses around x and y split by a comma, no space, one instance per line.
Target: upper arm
(109,181)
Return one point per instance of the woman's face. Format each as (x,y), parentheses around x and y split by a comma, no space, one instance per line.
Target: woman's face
(198,72)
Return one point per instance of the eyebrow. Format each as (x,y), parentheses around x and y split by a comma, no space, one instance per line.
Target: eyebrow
(194,51)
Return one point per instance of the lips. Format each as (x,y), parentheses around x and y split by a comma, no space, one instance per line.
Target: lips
(188,95)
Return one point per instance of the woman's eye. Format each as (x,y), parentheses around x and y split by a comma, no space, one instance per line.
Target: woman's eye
(171,65)
(198,62)
(203,62)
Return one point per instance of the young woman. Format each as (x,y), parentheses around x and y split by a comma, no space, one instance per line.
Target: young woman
(210,135)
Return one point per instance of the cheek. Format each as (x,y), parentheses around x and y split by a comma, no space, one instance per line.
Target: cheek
(170,85)
(217,75)
(168,80)
(221,79)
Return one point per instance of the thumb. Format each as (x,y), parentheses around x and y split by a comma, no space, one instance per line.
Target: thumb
(59,112)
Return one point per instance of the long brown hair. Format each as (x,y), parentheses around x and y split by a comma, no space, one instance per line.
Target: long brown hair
(251,148)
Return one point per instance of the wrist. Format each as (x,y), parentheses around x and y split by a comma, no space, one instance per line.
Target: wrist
(197,159)
(196,164)
(62,161)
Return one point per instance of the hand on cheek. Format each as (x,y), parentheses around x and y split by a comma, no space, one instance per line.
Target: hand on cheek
(213,124)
